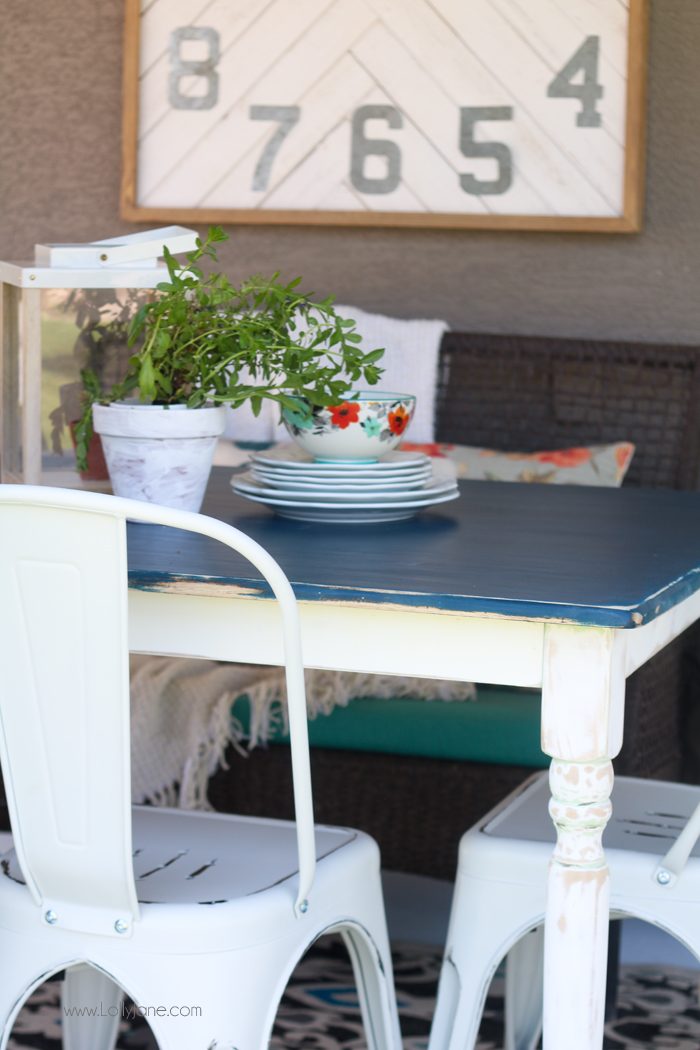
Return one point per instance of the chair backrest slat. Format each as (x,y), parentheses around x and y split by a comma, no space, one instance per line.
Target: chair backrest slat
(64,705)
(64,695)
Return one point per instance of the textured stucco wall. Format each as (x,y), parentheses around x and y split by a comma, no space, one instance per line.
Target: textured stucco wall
(60,114)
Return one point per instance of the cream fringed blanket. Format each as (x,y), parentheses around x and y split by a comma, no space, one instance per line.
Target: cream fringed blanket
(181,719)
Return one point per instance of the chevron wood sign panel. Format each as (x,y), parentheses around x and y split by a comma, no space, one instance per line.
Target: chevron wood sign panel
(518,114)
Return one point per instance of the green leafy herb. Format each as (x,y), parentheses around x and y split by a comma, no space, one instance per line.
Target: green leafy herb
(205,341)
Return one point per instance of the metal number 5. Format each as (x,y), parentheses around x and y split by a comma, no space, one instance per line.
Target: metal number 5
(498,151)
(203,67)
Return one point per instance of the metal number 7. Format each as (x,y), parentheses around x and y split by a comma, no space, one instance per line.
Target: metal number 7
(286,117)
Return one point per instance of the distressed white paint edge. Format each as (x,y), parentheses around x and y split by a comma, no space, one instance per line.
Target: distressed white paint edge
(644,642)
(638,644)
(575,958)
(583,692)
(373,640)
(578,906)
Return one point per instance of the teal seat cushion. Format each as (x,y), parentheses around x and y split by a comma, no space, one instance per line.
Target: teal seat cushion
(501,726)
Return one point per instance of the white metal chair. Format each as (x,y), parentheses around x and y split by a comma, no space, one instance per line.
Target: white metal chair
(199,917)
(499,901)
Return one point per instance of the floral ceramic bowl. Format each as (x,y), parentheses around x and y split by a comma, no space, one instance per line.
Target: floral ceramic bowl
(366,426)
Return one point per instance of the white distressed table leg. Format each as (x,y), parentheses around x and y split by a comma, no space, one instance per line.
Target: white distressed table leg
(576,929)
(582,717)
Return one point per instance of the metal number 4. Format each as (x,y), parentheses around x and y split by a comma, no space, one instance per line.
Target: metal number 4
(286,117)
(586,60)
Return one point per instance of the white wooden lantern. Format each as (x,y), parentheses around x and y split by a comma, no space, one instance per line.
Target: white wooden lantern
(27,292)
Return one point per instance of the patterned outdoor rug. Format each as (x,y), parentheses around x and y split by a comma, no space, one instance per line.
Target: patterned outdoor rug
(655,1009)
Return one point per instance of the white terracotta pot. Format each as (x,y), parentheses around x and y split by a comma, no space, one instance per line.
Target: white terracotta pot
(158,454)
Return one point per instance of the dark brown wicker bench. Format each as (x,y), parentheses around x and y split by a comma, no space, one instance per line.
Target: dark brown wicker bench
(518,394)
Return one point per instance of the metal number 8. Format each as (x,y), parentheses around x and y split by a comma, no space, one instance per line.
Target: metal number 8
(203,67)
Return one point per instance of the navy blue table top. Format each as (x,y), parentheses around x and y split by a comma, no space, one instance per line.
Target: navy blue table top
(606,557)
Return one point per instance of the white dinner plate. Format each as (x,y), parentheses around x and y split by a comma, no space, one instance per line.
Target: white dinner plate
(435,470)
(349,514)
(291,457)
(300,483)
(247,485)
(353,477)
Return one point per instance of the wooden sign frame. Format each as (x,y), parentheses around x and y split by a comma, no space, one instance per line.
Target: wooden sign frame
(628,220)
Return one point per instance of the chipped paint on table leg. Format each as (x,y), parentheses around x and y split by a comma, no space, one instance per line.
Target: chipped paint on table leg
(582,719)
(576,926)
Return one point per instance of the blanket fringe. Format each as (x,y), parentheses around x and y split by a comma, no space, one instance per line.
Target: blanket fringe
(182,722)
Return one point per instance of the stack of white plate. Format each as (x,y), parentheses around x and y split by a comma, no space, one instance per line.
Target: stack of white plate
(394,487)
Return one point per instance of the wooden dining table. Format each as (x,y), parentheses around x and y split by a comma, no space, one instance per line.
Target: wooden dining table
(568,589)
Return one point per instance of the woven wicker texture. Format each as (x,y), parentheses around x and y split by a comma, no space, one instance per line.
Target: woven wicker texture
(416,809)
(653,741)
(522,394)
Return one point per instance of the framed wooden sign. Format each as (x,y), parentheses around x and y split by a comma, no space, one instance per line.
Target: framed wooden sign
(517,114)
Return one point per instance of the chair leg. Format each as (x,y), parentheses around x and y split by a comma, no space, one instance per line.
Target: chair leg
(188,1005)
(227,1000)
(237,994)
(523,992)
(464,982)
(484,925)
(91,1008)
(524,980)
(446,1005)
(21,971)
(371,964)
(12,998)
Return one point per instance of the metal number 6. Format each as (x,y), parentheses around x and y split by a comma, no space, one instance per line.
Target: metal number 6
(362,147)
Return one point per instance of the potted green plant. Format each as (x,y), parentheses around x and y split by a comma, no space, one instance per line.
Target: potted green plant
(204,343)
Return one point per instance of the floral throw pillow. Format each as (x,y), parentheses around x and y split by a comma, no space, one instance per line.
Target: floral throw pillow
(592,465)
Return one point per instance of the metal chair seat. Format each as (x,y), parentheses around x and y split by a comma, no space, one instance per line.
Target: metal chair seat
(499,902)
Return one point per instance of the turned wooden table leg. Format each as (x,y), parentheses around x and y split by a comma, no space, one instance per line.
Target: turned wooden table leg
(582,716)
(576,928)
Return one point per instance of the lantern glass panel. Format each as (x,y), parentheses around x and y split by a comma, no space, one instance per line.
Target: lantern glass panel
(10,385)
(62,313)
(80,328)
